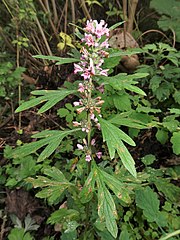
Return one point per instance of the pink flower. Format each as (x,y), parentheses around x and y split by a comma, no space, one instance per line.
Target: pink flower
(98,126)
(101,88)
(80,147)
(92,116)
(76,124)
(93,142)
(103,72)
(85,129)
(81,88)
(89,40)
(76,104)
(99,154)
(86,74)
(90,26)
(91,66)
(77,68)
(105,44)
(88,158)
(101,29)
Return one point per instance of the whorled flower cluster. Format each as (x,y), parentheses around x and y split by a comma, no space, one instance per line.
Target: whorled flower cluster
(93,53)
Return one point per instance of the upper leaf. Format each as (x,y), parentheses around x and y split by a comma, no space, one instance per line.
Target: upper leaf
(59,60)
(106,208)
(124,81)
(51,97)
(147,200)
(113,137)
(52,186)
(50,139)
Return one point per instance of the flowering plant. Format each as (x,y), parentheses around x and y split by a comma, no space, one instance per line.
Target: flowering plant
(90,184)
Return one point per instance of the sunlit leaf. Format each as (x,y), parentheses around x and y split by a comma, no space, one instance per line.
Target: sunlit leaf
(106,208)
(175,140)
(147,200)
(49,139)
(52,186)
(62,215)
(114,137)
(88,188)
(59,60)
(51,97)
(119,188)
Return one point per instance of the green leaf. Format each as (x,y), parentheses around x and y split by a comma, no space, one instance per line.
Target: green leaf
(51,139)
(120,189)
(175,111)
(63,214)
(17,233)
(88,188)
(168,189)
(106,208)
(69,235)
(175,140)
(162,136)
(122,102)
(59,60)
(52,186)
(148,159)
(62,112)
(176,97)
(115,133)
(121,119)
(124,81)
(116,25)
(124,235)
(147,200)
(51,97)
(113,137)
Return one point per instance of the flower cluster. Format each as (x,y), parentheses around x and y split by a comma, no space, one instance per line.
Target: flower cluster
(92,59)
(87,151)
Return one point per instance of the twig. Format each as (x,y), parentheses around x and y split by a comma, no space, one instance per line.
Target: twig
(49,18)
(54,11)
(65,16)
(153,30)
(44,37)
(131,12)
(47,5)
(125,19)
(174,37)
(3,227)
(73,14)
(84,8)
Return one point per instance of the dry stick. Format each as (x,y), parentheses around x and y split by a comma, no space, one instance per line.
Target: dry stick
(36,47)
(44,37)
(17,65)
(65,16)
(125,19)
(54,11)
(73,15)
(3,228)
(174,37)
(131,13)
(46,2)
(153,30)
(85,10)
(62,13)
(50,20)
